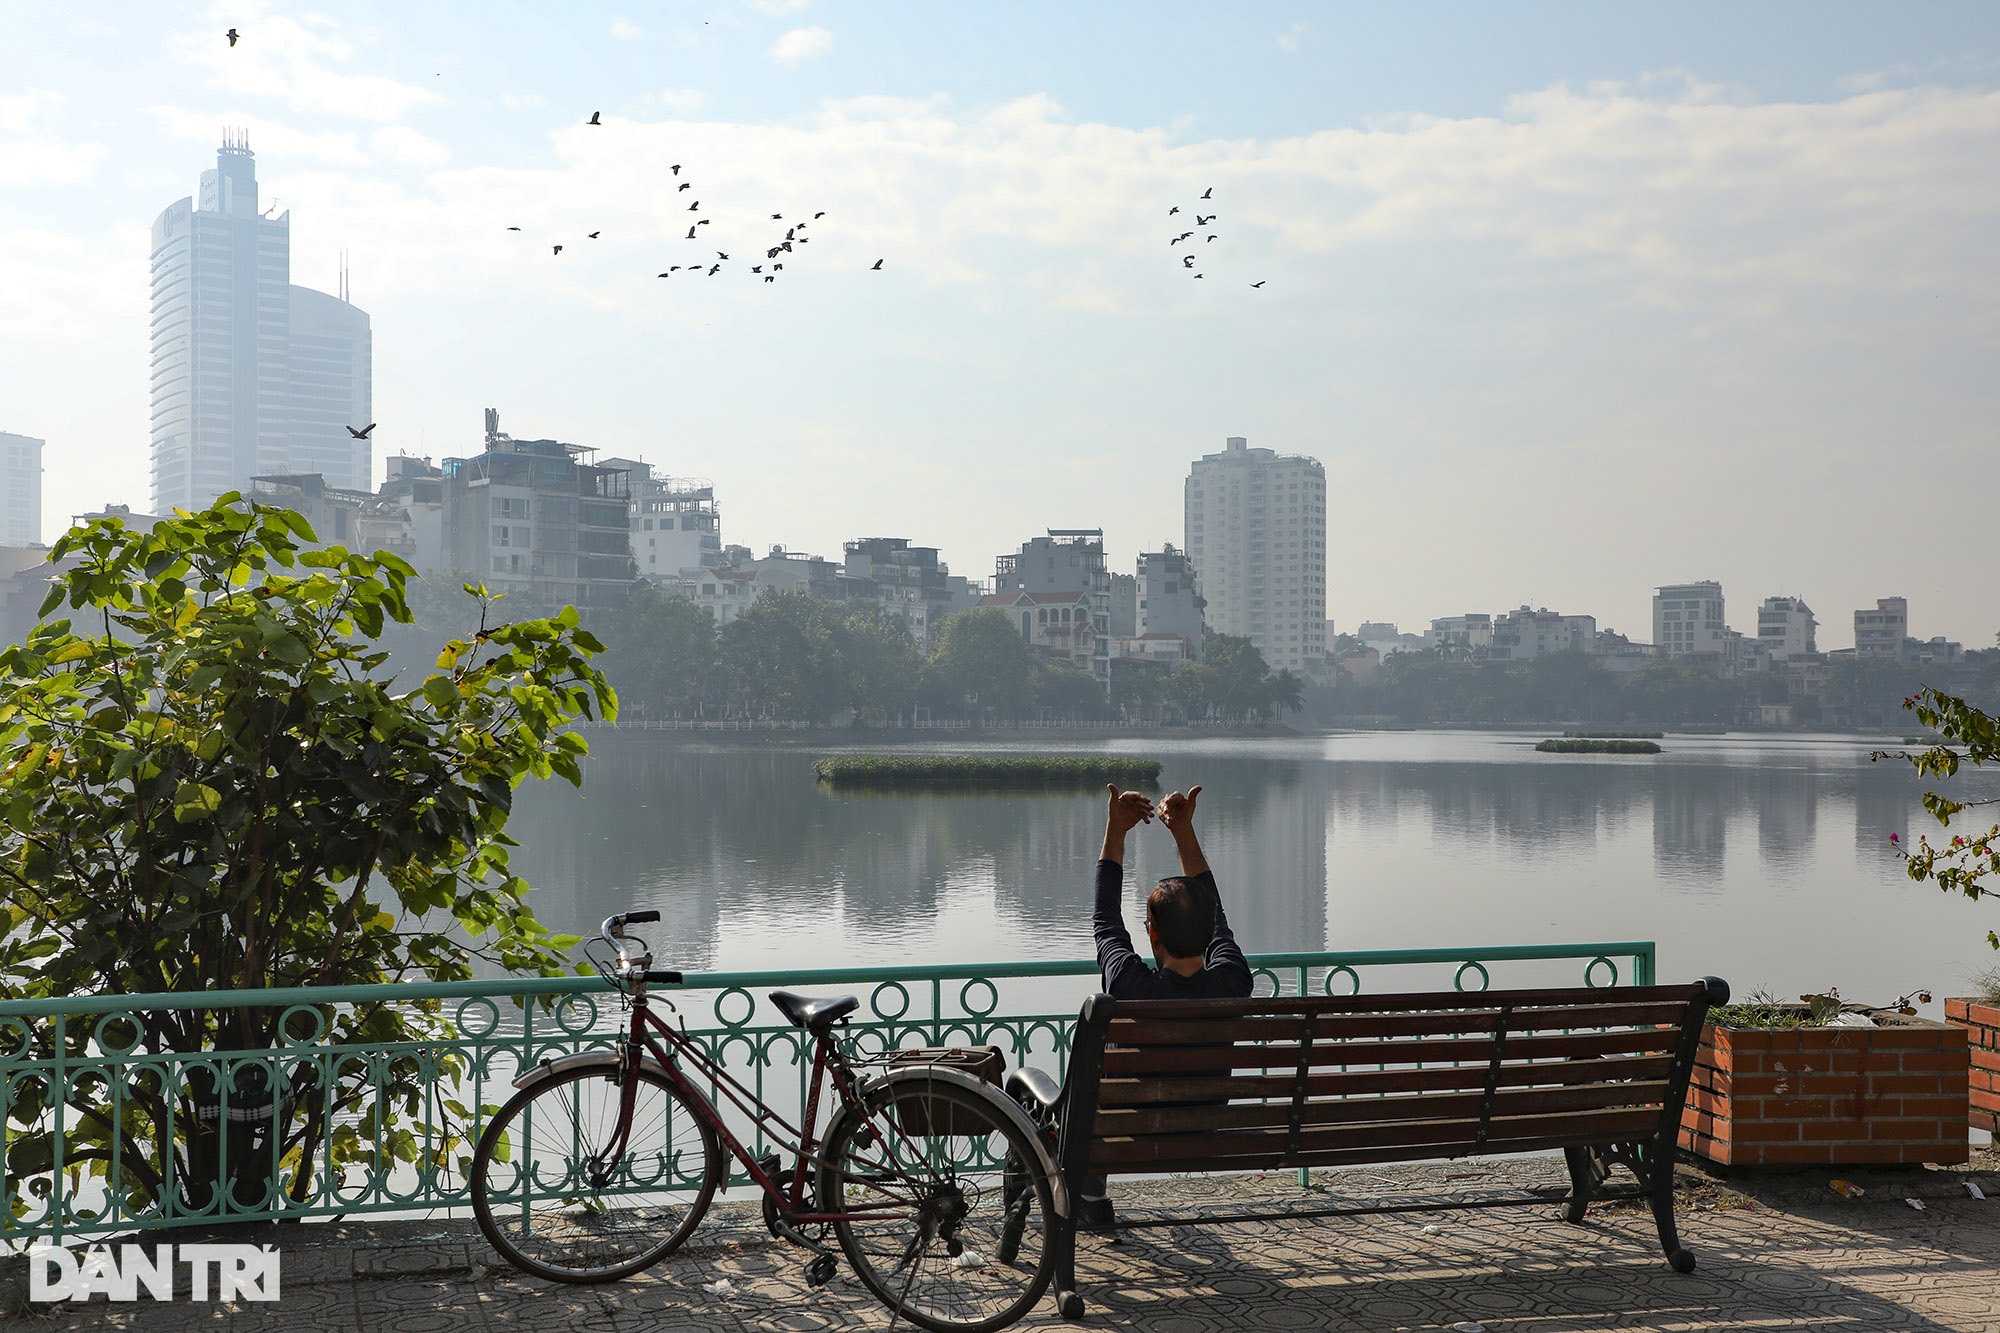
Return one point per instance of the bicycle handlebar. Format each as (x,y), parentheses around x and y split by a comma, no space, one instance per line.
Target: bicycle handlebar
(613,931)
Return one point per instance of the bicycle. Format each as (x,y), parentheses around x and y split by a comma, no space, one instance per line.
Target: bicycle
(938,1189)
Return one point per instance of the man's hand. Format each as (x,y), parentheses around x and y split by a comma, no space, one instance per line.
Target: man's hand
(1126,809)
(1177,811)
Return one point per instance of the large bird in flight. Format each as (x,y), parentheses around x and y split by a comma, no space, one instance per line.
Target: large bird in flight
(363,433)
(594,119)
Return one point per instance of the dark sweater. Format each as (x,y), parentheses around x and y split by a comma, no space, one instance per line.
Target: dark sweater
(1224,975)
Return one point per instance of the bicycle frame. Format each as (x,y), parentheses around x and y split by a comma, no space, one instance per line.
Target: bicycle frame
(640,1041)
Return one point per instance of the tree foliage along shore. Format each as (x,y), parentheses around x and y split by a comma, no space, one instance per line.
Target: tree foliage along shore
(211,787)
(878,770)
(1430,689)
(793,656)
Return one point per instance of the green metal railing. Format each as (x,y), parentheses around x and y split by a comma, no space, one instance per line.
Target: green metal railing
(418,1105)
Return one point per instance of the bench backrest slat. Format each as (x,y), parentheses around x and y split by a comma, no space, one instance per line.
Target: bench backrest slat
(1368,1082)
(1367,1027)
(1129,1121)
(1184,1056)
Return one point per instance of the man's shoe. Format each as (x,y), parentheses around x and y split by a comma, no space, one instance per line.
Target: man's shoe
(1095,1215)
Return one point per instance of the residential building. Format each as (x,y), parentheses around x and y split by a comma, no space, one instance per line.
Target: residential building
(538,520)
(20,489)
(676,525)
(251,376)
(1469,635)
(907,582)
(1256,535)
(412,498)
(1386,639)
(1061,624)
(1785,627)
(1687,618)
(333,513)
(1169,606)
(1066,560)
(1880,633)
(1523,634)
(1124,619)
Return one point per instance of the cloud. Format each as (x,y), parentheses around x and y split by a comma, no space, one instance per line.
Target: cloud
(522,101)
(1290,38)
(778,7)
(681,101)
(35,151)
(801,44)
(625,30)
(405,147)
(305,63)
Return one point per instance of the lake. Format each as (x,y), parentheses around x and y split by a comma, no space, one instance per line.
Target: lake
(1763,859)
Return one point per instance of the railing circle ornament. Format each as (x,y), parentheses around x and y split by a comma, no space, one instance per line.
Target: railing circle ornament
(1353,978)
(749,1007)
(1590,972)
(576,1015)
(15,1038)
(1259,977)
(895,988)
(117,1034)
(1458,977)
(478,1017)
(977,1011)
(302,1025)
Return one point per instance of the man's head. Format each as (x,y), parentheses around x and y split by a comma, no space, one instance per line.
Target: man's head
(1180,921)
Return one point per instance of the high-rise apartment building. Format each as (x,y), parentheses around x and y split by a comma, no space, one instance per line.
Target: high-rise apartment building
(1880,633)
(250,375)
(1687,618)
(20,489)
(1256,536)
(676,525)
(1785,628)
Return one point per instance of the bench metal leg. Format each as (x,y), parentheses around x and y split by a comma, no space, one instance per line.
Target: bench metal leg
(1587,1171)
(1068,1303)
(1663,1215)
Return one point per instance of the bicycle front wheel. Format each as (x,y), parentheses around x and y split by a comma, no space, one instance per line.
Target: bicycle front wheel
(551,1198)
(934,1185)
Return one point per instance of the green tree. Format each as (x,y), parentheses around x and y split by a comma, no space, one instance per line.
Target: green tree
(978,663)
(662,654)
(879,663)
(1868,691)
(782,657)
(1971,736)
(211,787)
(1239,674)
(1285,693)
(1062,687)
(1674,690)
(1193,688)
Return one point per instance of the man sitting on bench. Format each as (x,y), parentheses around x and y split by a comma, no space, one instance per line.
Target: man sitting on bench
(1196,953)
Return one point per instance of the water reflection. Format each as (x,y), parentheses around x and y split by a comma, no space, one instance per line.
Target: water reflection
(755,865)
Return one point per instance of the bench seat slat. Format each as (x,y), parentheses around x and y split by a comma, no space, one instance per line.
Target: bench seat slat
(1202,1059)
(1122,1092)
(1220,1151)
(1360,1110)
(1414,1002)
(1358,1027)
(1406,1152)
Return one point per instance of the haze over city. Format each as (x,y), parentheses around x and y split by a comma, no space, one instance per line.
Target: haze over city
(1570,302)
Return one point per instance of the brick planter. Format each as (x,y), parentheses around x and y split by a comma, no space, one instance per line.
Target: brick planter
(1980,1019)
(1831,1096)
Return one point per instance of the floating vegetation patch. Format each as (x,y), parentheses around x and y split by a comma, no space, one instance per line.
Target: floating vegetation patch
(1615,735)
(1580,745)
(969,770)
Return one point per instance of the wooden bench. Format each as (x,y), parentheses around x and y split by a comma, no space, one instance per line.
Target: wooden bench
(1600,1073)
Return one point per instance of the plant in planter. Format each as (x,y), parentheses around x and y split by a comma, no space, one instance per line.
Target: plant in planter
(1827,1083)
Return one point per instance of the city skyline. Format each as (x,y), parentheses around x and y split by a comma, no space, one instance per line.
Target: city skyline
(1568,306)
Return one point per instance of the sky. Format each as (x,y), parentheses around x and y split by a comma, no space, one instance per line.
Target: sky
(1570,300)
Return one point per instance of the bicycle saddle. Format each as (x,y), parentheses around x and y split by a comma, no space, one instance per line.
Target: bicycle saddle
(806,1012)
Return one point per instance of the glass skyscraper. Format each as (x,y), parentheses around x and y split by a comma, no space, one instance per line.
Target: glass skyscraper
(251,376)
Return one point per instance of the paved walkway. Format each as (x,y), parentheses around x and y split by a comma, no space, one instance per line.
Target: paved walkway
(1774,1253)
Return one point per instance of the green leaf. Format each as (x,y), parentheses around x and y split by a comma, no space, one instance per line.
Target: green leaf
(194,800)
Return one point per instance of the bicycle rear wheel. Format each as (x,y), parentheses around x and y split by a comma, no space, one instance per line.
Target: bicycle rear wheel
(935,1184)
(550,1201)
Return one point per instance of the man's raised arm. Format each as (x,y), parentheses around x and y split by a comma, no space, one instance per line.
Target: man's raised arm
(1115,955)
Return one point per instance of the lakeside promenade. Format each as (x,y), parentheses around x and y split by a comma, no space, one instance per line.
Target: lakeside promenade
(1775,1252)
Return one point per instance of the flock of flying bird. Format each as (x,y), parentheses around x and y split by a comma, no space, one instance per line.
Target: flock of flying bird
(774,252)
(794,236)
(1188,261)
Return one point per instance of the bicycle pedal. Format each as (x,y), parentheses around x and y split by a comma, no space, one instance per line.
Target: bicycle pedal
(820,1270)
